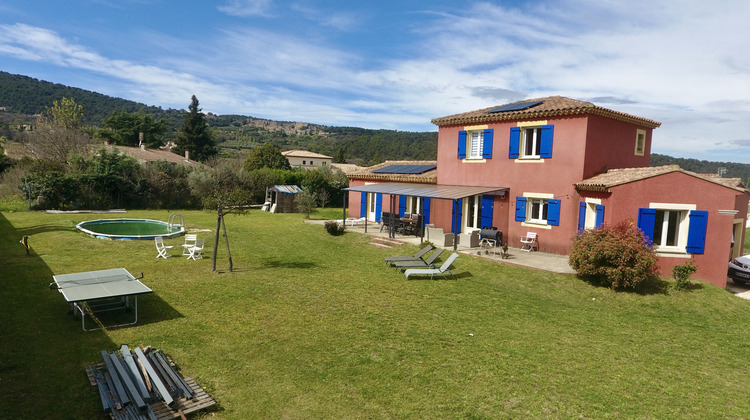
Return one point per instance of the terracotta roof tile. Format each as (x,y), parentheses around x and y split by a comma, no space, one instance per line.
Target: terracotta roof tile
(367,174)
(615,177)
(551,106)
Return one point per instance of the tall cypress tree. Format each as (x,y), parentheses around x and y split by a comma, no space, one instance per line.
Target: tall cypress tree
(195,135)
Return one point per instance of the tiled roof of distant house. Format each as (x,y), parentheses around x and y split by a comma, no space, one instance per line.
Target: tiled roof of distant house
(369,174)
(615,177)
(305,154)
(155,155)
(552,106)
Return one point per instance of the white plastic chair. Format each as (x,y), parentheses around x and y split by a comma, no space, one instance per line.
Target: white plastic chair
(528,242)
(162,249)
(189,242)
(196,251)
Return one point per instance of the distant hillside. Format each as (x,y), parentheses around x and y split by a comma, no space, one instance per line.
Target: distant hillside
(26,95)
(21,97)
(728,169)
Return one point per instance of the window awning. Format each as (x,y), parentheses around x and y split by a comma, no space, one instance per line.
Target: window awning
(438,191)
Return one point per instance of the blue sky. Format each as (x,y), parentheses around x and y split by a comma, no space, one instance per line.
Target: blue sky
(398,64)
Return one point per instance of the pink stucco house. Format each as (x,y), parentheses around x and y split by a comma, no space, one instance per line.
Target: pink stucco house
(555,165)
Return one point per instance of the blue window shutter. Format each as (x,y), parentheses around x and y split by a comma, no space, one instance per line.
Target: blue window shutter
(426,210)
(520,209)
(378,207)
(487,147)
(462,144)
(456,216)
(553,212)
(646,222)
(546,146)
(599,215)
(697,231)
(363,205)
(401,205)
(515,142)
(488,204)
(582,215)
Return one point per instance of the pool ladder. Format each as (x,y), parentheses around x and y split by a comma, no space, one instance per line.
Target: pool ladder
(175,219)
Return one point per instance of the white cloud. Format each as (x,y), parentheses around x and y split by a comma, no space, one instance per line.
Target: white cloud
(246,8)
(344,21)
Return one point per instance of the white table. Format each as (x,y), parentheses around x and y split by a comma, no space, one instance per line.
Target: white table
(98,291)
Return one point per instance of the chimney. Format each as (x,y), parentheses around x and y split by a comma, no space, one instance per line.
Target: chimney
(187,154)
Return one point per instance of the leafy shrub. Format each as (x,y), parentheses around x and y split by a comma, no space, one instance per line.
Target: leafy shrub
(334,228)
(617,256)
(682,274)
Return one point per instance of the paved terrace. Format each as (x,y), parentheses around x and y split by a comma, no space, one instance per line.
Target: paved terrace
(536,260)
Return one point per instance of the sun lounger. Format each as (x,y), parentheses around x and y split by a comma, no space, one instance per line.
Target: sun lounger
(432,271)
(417,256)
(429,262)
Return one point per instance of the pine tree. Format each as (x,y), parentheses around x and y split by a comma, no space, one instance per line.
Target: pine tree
(195,135)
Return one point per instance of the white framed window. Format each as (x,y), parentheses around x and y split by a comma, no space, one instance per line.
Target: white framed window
(531,142)
(372,206)
(640,142)
(476,144)
(412,205)
(591,214)
(472,211)
(670,229)
(667,225)
(536,210)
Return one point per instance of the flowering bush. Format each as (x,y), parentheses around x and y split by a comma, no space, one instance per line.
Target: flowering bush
(617,256)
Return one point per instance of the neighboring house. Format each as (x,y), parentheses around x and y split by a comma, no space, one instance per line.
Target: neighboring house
(142,154)
(305,159)
(554,165)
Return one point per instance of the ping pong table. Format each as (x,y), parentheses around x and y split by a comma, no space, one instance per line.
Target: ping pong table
(98,291)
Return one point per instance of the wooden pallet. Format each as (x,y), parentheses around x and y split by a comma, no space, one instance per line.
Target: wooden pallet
(200,401)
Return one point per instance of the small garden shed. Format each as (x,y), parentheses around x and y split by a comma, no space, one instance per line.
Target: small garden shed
(281,198)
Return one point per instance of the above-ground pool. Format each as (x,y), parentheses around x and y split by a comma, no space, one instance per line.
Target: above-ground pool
(130,228)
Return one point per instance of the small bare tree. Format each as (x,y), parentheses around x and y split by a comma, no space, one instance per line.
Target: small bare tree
(58,133)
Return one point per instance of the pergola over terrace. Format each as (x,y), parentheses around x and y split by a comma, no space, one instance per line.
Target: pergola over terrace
(422,191)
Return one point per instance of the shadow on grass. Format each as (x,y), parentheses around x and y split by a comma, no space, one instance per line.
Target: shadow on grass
(151,309)
(657,286)
(42,349)
(34,230)
(276,263)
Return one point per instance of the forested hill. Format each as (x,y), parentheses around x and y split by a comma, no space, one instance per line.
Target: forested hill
(21,97)
(727,169)
(26,95)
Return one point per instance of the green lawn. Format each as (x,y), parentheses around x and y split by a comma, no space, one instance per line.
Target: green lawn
(314,326)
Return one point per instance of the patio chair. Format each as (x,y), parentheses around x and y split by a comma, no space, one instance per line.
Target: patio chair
(196,251)
(429,262)
(189,242)
(528,242)
(432,271)
(417,256)
(161,248)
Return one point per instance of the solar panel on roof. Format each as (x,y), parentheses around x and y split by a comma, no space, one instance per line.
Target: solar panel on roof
(405,169)
(515,107)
